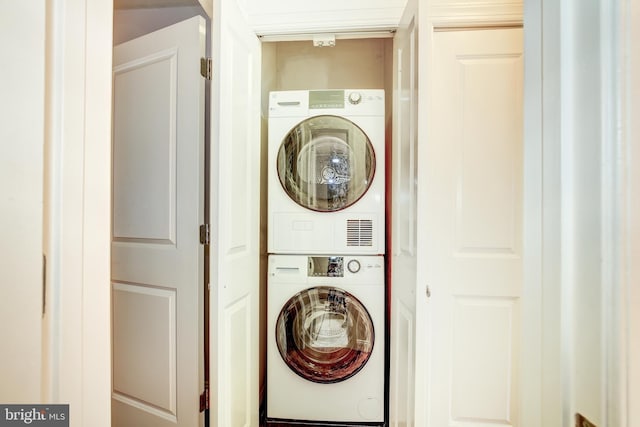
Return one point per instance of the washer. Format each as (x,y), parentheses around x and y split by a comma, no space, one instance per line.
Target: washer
(325,339)
(326,176)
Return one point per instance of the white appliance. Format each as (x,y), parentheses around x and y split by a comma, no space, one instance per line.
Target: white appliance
(325,339)
(326,172)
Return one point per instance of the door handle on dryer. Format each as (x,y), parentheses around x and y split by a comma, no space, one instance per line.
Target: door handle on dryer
(286,270)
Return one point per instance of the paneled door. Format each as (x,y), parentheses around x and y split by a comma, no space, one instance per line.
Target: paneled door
(473,193)
(403,217)
(158,206)
(235,197)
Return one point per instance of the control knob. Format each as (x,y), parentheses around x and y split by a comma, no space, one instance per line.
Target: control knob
(355,98)
(353,266)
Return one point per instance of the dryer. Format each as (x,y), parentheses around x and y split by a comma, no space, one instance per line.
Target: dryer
(326,173)
(325,339)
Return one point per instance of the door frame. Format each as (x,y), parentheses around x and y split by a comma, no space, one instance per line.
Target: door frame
(77,356)
(550,65)
(630,262)
(78,129)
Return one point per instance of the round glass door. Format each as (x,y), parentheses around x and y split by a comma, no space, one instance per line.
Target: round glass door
(326,163)
(324,334)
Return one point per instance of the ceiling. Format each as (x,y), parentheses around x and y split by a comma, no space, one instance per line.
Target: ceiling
(141,4)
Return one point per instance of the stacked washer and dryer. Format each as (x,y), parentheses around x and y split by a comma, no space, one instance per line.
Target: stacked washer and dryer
(326,243)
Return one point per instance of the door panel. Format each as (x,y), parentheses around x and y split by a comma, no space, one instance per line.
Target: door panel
(404,222)
(157,258)
(474,226)
(491,368)
(145,363)
(145,145)
(235,195)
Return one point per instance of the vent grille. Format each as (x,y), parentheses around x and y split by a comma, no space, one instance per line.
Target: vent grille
(359,232)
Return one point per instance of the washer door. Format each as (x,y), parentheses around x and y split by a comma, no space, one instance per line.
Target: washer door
(324,334)
(326,163)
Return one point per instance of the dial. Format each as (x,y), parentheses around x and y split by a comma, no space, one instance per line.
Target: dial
(353,266)
(355,98)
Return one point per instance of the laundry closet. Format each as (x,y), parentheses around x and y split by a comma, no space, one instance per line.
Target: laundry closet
(455,199)
(325,327)
(371,46)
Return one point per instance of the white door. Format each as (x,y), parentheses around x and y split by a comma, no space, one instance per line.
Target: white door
(158,206)
(472,239)
(403,220)
(235,196)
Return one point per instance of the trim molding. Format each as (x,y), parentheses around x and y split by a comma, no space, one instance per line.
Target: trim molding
(323,21)
(477,14)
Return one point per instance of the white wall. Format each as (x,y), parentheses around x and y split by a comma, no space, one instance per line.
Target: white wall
(22,77)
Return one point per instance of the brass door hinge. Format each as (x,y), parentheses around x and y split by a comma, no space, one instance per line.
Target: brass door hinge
(205,234)
(206,68)
(204,400)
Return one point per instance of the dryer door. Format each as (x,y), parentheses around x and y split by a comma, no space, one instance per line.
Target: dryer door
(326,163)
(324,334)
